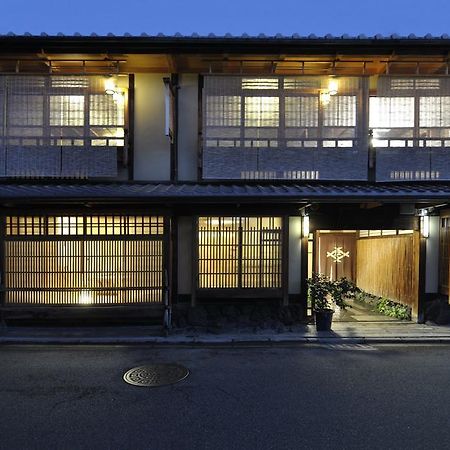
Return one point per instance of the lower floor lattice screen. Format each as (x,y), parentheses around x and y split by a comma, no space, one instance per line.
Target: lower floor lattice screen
(239,252)
(83,270)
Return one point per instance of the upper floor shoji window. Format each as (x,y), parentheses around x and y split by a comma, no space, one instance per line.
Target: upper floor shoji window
(280,112)
(283,127)
(62,125)
(60,110)
(411,112)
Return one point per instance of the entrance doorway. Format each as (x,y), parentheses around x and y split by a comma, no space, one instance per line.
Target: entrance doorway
(382,263)
(336,254)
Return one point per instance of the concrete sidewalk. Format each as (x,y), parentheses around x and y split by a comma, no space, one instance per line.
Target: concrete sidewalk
(343,332)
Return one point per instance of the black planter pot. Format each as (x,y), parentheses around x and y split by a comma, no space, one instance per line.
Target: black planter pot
(323,320)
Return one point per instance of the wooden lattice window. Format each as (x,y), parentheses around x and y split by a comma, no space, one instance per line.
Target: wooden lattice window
(411,112)
(282,127)
(239,252)
(60,126)
(78,259)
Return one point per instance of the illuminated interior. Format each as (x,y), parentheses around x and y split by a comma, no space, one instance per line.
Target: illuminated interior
(84,260)
(239,252)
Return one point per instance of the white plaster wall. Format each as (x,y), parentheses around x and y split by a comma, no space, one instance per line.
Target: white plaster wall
(151,145)
(188,127)
(185,255)
(432,252)
(295,234)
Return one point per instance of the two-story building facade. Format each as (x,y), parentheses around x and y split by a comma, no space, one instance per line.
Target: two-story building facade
(143,171)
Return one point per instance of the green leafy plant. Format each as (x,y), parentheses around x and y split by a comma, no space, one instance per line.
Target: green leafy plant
(326,294)
(385,306)
(393,309)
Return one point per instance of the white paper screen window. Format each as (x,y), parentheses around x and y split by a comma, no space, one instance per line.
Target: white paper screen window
(262,111)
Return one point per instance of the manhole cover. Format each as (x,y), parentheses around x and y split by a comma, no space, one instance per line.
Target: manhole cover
(156,375)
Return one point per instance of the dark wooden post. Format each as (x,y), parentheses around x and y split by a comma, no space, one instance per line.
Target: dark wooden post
(173,86)
(130,127)
(200,129)
(173,260)
(2,266)
(194,283)
(304,272)
(285,260)
(422,279)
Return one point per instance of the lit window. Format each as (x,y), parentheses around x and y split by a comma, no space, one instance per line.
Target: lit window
(435,111)
(261,111)
(302,111)
(67,110)
(223,111)
(391,112)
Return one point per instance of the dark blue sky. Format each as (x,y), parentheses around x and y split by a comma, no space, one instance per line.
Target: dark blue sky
(234,16)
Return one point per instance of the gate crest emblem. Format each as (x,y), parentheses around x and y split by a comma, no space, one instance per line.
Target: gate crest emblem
(338,254)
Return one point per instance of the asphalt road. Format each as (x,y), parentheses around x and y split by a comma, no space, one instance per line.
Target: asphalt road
(384,397)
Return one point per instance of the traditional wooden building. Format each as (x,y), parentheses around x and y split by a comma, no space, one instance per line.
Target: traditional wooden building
(138,171)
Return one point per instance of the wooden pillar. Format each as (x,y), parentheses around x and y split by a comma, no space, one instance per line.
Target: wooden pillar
(422,280)
(304,273)
(173,86)
(130,128)
(200,129)
(2,266)
(194,281)
(285,260)
(173,277)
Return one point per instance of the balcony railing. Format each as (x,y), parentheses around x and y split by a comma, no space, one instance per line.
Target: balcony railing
(412,159)
(286,158)
(58,161)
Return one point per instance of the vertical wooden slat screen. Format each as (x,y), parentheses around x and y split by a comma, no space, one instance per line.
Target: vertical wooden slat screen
(388,266)
(101,260)
(239,252)
(444,254)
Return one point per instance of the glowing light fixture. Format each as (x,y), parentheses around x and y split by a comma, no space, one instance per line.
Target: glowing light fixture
(424,223)
(305,225)
(119,97)
(325,97)
(333,86)
(110,86)
(332,89)
(85,298)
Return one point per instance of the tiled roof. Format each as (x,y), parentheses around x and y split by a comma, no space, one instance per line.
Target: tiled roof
(261,36)
(225,193)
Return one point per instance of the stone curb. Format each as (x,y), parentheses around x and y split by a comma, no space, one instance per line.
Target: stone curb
(199,342)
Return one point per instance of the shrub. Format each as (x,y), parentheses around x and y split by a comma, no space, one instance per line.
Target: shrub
(385,306)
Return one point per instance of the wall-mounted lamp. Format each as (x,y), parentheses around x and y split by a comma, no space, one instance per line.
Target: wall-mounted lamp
(424,223)
(110,86)
(333,86)
(119,97)
(305,226)
(325,97)
(332,89)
